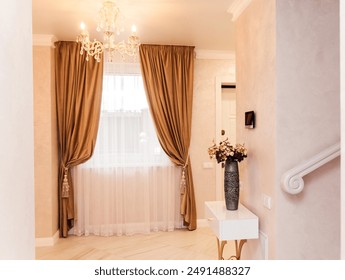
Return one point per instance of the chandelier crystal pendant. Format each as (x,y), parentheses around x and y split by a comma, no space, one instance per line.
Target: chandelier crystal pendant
(110,23)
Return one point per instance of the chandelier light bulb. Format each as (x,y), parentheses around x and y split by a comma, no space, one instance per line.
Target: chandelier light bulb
(82,26)
(134,29)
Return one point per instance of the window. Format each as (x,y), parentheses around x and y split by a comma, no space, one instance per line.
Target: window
(129,185)
(126,134)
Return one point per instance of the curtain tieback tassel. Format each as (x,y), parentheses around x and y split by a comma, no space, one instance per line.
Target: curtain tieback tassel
(183,181)
(183,176)
(65,185)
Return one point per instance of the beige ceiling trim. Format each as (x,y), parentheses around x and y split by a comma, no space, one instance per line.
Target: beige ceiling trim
(237,7)
(45,40)
(212,54)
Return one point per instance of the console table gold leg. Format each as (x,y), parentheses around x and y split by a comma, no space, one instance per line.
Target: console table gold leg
(239,248)
(220,246)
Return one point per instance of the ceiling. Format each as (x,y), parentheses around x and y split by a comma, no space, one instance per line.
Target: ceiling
(204,24)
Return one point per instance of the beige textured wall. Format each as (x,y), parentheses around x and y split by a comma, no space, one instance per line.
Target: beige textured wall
(46,205)
(308,121)
(288,73)
(204,125)
(255,80)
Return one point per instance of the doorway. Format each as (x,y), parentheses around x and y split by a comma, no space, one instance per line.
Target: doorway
(225,122)
(228,118)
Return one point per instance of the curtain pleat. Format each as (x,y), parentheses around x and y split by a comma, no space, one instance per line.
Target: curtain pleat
(78,87)
(168,78)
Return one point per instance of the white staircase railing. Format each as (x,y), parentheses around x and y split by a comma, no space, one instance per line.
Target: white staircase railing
(292,181)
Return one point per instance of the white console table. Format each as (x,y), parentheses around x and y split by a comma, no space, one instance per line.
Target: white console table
(238,225)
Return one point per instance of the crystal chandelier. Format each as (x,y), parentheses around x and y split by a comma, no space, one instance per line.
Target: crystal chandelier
(110,23)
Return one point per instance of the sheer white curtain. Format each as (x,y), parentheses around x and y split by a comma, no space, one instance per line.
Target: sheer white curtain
(129,185)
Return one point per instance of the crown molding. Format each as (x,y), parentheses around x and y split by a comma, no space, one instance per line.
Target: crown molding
(237,7)
(45,40)
(213,54)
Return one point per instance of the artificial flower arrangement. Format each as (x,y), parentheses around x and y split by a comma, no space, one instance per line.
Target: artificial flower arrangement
(226,151)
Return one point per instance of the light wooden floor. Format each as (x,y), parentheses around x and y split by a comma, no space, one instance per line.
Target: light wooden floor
(200,244)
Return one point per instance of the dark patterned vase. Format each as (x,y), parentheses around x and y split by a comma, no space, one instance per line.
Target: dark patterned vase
(231,185)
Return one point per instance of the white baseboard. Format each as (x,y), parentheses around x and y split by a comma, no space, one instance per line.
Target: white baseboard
(199,222)
(202,223)
(47,241)
(50,241)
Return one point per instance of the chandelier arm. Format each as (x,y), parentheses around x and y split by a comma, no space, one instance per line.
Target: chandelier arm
(109,22)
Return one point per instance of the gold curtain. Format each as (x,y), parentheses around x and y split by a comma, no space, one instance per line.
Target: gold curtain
(168,78)
(78,86)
